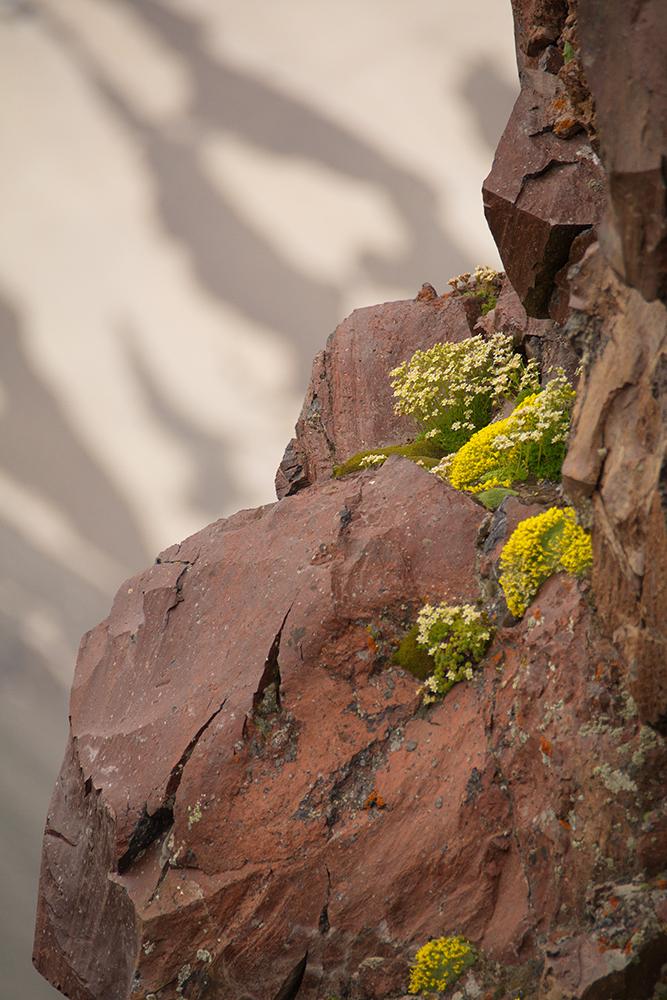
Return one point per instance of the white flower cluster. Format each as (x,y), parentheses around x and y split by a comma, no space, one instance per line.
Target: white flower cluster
(445,614)
(369,460)
(484,278)
(448,377)
(547,412)
(441,470)
(431,689)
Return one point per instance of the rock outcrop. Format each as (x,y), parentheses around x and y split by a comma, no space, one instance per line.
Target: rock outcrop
(616,468)
(248,778)
(253,792)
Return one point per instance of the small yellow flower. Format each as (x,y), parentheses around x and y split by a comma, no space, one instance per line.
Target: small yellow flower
(440,963)
(549,543)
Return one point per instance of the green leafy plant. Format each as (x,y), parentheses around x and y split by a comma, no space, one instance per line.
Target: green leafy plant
(539,546)
(457,638)
(451,390)
(531,441)
(440,963)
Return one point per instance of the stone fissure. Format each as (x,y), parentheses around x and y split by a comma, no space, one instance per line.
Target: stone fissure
(266,699)
(349,788)
(323,924)
(150,826)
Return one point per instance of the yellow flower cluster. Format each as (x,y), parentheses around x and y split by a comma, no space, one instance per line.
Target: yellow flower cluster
(509,449)
(478,457)
(440,963)
(539,546)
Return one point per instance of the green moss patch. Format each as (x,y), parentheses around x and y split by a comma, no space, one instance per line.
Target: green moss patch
(426,453)
(413,657)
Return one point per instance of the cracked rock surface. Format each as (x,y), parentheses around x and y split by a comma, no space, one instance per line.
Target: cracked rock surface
(249,778)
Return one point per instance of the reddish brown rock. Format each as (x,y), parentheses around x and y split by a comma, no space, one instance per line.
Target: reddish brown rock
(263,779)
(227,713)
(349,405)
(539,339)
(615,468)
(542,193)
(538,25)
(625,53)
(86,945)
(598,963)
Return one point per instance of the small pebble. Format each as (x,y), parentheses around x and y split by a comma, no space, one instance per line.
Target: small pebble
(410,745)
(438,802)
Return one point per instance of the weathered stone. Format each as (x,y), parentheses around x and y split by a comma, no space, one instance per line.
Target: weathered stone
(624,49)
(171,716)
(616,457)
(538,24)
(379,977)
(598,963)
(266,783)
(543,192)
(539,339)
(349,406)
(76,937)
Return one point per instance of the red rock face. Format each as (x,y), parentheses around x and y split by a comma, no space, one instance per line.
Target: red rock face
(615,468)
(244,753)
(628,42)
(544,191)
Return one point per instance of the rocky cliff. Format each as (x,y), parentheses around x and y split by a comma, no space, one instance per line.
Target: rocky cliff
(250,781)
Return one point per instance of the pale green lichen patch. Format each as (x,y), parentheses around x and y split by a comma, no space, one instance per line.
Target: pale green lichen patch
(615,781)
(596,727)
(648,740)
(182,976)
(194,813)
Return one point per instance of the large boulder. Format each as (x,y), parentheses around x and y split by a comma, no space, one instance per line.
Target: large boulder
(616,468)
(248,778)
(544,196)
